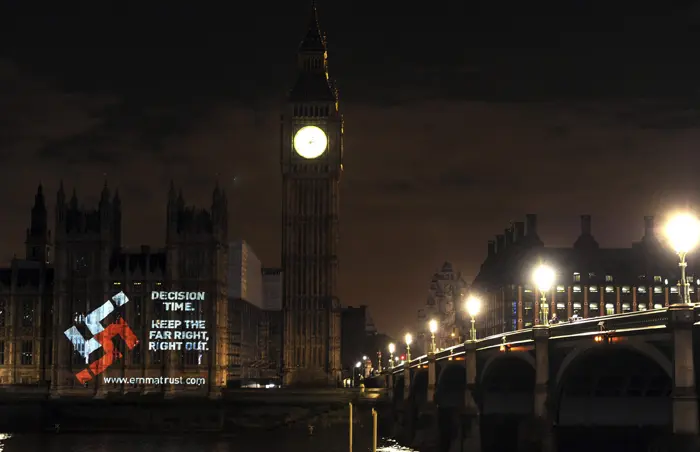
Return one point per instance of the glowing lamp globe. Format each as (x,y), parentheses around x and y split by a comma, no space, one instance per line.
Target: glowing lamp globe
(392,348)
(408,338)
(473,306)
(683,233)
(433,325)
(543,278)
(358,364)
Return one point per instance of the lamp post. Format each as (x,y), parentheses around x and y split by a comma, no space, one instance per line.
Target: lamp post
(357,366)
(433,326)
(544,278)
(473,306)
(392,349)
(683,233)
(408,338)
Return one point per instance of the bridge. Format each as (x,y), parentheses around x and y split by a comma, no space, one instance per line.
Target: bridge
(626,370)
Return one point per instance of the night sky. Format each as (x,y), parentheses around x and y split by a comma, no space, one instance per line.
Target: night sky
(459,119)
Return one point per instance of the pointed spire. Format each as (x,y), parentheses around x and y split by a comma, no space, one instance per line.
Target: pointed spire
(105,192)
(74,200)
(39,198)
(61,194)
(313,41)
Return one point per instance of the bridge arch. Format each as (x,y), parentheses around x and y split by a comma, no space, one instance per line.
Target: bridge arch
(451,385)
(507,384)
(640,347)
(616,385)
(488,365)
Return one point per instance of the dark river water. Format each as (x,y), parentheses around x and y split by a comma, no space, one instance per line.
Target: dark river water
(195,443)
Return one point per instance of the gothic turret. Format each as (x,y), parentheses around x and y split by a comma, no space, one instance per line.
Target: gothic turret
(38,241)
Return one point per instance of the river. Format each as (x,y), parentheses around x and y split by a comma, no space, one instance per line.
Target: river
(288,442)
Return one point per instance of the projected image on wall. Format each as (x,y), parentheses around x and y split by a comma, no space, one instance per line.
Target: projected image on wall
(175,325)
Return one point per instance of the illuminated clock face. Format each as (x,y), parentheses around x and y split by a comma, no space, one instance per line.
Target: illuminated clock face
(310,142)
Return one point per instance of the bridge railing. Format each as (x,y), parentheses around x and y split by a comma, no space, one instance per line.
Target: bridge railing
(625,321)
(629,320)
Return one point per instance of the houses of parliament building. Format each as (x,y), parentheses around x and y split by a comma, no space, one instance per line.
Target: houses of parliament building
(64,277)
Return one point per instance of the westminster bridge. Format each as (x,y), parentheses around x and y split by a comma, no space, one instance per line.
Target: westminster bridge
(627,371)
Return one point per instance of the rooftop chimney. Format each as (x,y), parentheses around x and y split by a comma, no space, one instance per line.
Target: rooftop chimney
(519,227)
(500,243)
(648,226)
(509,236)
(585,225)
(492,248)
(531,219)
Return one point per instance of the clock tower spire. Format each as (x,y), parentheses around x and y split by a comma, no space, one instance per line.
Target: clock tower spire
(311,165)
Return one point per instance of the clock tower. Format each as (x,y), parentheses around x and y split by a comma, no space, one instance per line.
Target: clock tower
(311,163)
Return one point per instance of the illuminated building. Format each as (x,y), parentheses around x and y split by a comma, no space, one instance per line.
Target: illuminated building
(311,165)
(591,281)
(271,329)
(40,299)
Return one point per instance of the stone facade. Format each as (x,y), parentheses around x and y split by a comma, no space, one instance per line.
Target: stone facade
(41,296)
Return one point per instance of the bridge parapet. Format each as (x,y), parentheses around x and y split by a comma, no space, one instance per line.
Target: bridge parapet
(627,321)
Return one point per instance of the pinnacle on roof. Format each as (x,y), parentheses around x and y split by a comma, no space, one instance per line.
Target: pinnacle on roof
(313,40)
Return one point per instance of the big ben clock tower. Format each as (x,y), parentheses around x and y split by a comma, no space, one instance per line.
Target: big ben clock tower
(311,160)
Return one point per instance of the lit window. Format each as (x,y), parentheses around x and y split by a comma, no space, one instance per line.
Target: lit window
(626,307)
(641,307)
(626,289)
(577,277)
(609,289)
(658,289)
(593,289)
(593,306)
(658,306)
(561,289)
(657,278)
(674,289)
(608,278)
(577,305)
(577,289)
(642,289)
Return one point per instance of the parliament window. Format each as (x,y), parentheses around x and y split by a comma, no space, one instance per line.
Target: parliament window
(28,313)
(27,354)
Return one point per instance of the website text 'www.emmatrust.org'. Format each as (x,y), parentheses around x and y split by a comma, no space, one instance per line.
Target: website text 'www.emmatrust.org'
(194,381)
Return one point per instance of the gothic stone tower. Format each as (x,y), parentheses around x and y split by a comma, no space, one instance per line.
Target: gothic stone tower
(85,241)
(311,160)
(197,260)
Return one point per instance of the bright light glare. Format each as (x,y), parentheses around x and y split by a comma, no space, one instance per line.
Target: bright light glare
(408,338)
(358,364)
(683,232)
(364,358)
(473,306)
(543,277)
(392,348)
(433,325)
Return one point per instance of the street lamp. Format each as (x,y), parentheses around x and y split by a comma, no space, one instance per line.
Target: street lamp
(392,349)
(683,233)
(473,305)
(433,326)
(357,366)
(544,278)
(408,338)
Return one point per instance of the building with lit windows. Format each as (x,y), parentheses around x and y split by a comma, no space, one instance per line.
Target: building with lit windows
(591,281)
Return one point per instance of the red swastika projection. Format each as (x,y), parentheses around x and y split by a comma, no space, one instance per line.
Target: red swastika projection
(118,328)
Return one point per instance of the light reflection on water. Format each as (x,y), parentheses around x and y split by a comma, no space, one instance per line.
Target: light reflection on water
(200,443)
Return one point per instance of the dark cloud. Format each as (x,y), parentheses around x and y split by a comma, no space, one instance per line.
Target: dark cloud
(457,121)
